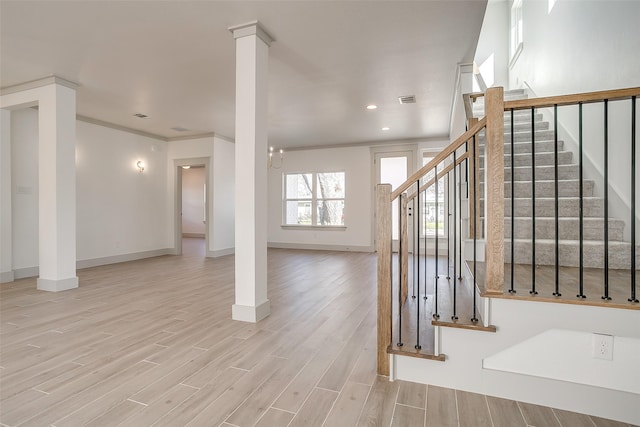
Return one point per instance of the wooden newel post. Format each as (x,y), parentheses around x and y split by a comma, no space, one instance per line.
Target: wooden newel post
(383,248)
(494,190)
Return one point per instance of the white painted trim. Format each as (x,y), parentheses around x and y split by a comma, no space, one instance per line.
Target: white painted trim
(221,252)
(315,247)
(22,273)
(34,84)
(119,127)
(177,202)
(253,28)
(6,276)
(393,145)
(392,368)
(57,285)
(115,259)
(313,227)
(246,313)
(188,137)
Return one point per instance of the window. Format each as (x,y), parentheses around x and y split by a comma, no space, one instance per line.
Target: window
(516,34)
(314,199)
(429,203)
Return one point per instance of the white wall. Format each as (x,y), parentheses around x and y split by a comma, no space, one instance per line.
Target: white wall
(119,209)
(579,47)
(220,187)
(223,219)
(193,215)
(494,41)
(582,47)
(6,261)
(357,164)
(24,192)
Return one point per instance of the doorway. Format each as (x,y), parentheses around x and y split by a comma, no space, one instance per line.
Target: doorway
(393,168)
(192,207)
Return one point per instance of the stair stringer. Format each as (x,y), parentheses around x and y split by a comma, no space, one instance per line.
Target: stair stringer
(518,321)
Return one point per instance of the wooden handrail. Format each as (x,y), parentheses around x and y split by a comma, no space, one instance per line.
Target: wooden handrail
(439,158)
(441,175)
(585,98)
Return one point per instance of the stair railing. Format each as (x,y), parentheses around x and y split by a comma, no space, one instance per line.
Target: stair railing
(605,260)
(393,277)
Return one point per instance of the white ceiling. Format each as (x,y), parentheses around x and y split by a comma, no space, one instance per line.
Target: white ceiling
(175,61)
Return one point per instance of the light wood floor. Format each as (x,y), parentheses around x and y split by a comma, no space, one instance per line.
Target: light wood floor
(151,342)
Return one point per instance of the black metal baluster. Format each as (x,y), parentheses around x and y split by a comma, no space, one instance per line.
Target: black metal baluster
(400,202)
(475,231)
(426,256)
(606,200)
(633,200)
(448,204)
(581,201)
(460,215)
(556,292)
(413,257)
(455,232)
(533,203)
(418,214)
(513,204)
(435,283)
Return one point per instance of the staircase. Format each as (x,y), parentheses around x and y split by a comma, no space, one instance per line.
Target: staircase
(568,201)
(519,342)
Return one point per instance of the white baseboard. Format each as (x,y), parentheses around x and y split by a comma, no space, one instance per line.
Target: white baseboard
(59,285)
(21,273)
(246,313)
(310,246)
(7,276)
(94,262)
(221,252)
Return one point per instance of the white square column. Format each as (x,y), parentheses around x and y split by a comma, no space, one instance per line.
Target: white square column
(57,193)
(252,60)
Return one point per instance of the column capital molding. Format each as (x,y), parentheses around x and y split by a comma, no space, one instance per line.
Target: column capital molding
(33,84)
(253,28)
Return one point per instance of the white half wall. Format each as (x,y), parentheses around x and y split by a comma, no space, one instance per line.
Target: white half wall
(356,162)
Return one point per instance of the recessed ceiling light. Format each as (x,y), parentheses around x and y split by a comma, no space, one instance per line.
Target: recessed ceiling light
(372,107)
(141,116)
(186,167)
(386,128)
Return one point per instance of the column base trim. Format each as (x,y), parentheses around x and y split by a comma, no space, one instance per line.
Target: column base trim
(57,285)
(249,313)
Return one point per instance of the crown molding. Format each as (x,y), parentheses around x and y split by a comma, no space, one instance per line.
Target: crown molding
(253,28)
(120,128)
(33,84)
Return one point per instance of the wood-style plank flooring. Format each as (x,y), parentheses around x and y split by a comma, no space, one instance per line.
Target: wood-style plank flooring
(151,342)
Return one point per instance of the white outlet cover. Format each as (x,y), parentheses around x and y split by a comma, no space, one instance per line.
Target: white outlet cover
(602,346)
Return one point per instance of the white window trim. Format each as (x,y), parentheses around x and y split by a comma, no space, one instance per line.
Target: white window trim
(444,183)
(314,203)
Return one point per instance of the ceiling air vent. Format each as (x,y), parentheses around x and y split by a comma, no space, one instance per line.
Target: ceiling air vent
(179,129)
(141,116)
(407,99)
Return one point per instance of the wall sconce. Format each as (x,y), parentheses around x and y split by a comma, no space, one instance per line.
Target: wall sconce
(271,165)
(140,166)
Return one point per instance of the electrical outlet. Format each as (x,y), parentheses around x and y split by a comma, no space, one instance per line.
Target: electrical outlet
(602,346)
